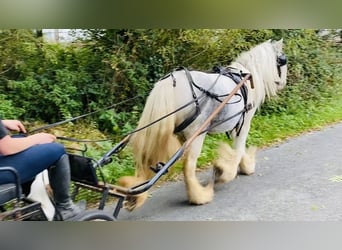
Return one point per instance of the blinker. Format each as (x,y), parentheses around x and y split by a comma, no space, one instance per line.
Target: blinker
(282,60)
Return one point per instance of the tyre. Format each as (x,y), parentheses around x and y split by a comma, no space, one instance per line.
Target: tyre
(94,215)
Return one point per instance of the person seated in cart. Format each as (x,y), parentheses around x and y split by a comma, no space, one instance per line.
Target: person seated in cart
(30,155)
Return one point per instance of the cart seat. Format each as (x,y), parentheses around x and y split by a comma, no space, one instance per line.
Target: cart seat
(10,191)
(7,192)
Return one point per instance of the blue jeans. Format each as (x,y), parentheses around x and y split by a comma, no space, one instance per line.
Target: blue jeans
(31,161)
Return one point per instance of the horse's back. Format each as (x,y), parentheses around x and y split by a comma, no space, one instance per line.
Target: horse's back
(210,89)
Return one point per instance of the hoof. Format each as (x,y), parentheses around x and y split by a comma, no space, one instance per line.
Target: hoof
(133,202)
(225,167)
(223,176)
(247,164)
(202,195)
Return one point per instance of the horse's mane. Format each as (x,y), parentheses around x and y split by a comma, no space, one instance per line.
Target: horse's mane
(260,61)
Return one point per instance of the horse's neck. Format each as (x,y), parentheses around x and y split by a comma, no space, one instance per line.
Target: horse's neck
(256,94)
(240,67)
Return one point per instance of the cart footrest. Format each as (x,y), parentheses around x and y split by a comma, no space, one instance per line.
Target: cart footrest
(26,209)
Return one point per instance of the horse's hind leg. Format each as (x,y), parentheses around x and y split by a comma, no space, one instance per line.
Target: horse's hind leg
(247,164)
(197,193)
(226,166)
(246,156)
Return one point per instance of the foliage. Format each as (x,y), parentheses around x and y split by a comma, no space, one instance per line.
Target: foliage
(52,82)
(7,108)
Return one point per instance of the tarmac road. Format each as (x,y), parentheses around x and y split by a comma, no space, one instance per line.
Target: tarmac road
(297,180)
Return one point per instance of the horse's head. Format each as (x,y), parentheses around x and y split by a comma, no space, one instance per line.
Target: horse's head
(267,64)
(281,62)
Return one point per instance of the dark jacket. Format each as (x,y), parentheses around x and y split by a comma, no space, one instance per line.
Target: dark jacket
(3,130)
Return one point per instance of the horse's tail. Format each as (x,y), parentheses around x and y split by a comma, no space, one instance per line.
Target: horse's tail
(156,143)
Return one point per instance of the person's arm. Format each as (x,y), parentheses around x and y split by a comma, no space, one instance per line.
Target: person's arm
(9,145)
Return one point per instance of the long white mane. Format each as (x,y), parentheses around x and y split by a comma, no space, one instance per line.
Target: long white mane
(261,62)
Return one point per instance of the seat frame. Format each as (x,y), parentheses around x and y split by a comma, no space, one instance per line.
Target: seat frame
(24,208)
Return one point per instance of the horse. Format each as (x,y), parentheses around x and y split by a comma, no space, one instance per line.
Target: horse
(195,95)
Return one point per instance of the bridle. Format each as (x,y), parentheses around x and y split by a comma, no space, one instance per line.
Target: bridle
(281,61)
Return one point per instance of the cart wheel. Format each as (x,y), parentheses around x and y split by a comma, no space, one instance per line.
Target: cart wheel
(94,215)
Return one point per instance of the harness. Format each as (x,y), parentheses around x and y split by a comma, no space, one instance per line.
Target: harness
(236,76)
(222,71)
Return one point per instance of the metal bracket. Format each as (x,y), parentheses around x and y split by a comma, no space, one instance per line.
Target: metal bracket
(158,167)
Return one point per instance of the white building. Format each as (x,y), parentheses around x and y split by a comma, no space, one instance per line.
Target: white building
(61,35)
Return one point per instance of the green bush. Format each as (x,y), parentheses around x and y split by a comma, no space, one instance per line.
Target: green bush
(8,110)
(52,82)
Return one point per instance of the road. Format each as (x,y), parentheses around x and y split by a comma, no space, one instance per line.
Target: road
(297,180)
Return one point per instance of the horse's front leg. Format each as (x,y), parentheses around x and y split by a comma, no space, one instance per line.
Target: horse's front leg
(197,193)
(245,155)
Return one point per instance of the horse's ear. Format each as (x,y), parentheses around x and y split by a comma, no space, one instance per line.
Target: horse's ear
(278,44)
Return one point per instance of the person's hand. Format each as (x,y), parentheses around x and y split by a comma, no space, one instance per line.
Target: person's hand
(14,125)
(42,138)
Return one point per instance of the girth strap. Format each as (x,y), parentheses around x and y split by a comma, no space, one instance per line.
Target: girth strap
(188,120)
(237,77)
(191,118)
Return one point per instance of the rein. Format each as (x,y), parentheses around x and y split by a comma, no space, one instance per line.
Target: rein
(161,118)
(195,100)
(179,128)
(76,118)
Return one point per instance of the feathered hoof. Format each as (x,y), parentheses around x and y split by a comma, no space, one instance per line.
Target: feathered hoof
(225,167)
(132,201)
(223,175)
(202,195)
(217,174)
(247,164)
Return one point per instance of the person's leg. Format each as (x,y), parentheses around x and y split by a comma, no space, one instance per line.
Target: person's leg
(59,176)
(32,161)
(26,187)
(51,156)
